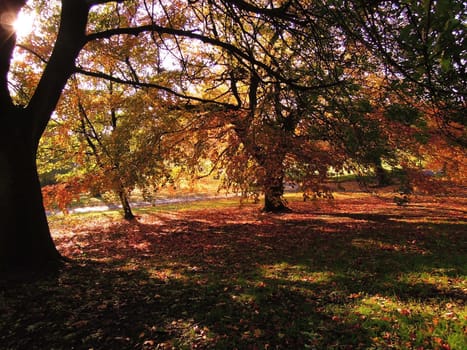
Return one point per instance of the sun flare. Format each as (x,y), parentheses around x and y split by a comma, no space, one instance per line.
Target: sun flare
(24,24)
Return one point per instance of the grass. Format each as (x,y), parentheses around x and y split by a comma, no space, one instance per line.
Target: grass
(355,273)
(205,187)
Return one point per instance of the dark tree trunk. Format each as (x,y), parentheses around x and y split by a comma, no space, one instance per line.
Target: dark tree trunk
(127,212)
(25,240)
(274,201)
(382,178)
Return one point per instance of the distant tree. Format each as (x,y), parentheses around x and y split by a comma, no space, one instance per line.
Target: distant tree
(265,88)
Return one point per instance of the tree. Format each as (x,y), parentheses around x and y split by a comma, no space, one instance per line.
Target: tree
(105,132)
(264,55)
(116,138)
(24,236)
(25,239)
(285,62)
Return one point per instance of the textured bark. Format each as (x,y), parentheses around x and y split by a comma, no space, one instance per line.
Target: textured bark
(274,201)
(274,190)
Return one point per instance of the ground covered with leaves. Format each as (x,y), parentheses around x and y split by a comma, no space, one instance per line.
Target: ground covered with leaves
(358,272)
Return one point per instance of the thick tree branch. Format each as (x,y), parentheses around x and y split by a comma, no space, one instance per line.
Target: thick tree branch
(272,12)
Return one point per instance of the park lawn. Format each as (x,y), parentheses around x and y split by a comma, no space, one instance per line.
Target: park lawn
(358,272)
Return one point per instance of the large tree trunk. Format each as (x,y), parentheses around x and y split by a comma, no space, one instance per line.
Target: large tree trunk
(273,199)
(273,187)
(25,240)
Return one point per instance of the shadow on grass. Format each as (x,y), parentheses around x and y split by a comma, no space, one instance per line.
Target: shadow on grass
(240,279)
(97,306)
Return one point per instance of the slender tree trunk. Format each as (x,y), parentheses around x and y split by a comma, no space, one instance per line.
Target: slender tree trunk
(127,212)
(25,240)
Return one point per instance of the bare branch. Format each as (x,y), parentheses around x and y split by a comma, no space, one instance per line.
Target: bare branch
(192,34)
(152,86)
(32,52)
(273,12)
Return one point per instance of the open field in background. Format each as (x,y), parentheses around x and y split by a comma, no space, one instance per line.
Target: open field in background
(358,272)
(206,188)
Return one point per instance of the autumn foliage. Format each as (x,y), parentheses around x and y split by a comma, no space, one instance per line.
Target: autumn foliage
(61,195)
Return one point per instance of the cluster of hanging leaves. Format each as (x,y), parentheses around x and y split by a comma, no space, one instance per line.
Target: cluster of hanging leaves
(61,195)
(423,44)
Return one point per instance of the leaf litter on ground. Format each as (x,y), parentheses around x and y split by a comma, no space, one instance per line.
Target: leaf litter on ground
(358,273)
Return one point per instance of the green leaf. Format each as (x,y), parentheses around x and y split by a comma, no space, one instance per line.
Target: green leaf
(446,64)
